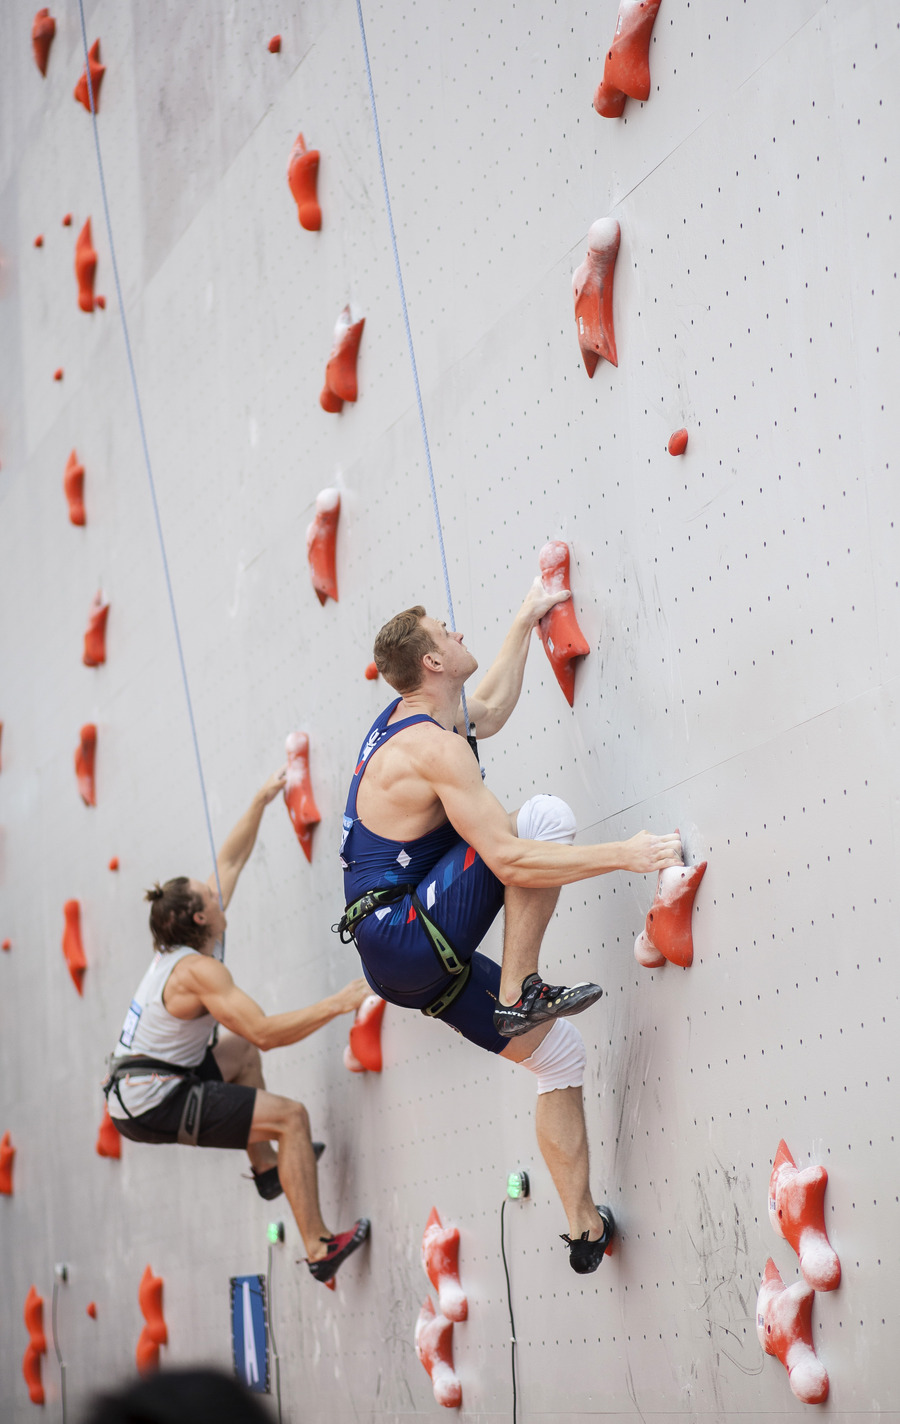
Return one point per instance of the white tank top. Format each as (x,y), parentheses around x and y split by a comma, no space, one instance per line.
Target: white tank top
(151,1030)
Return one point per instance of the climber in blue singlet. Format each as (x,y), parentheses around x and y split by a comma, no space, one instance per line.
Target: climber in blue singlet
(429,857)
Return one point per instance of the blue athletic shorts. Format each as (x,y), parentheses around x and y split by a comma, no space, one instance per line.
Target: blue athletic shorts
(463,897)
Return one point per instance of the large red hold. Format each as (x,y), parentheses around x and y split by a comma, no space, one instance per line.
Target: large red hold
(784,1328)
(340,373)
(109,1139)
(627,66)
(37,1346)
(82,93)
(85,268)
(72,947)
(440,1260)
(321,539)
(363,1052)
(668,923)
(434,1347)
(298,792)
(42,32)
(85,754)
(559,632)
(302,176)
(592,286)
(73,484)
(797,1212)
(95,633)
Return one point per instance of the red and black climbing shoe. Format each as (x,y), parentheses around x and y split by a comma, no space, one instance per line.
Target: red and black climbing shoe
(339,1248)
(584,1255)
(539,1002)
(268,1183)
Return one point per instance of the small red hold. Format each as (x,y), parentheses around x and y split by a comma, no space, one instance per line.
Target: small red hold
(340,373)
(668,923)
(298,792)
(39,240)
(95,634)
(100,301)
(371,672)
(7,945)
(109,1140)
(440,1261)
(73,484)
(797,1212)
(363,1052)
(627,66)
(302,176)
(434,1347)
(7,1158)
(85,268)
(321,539)
(72,948)
(42,32)
(85,754)
(58,373)
(67,220)
(592,285)
(678,442)
(114,862)
(559,632)
(784,1328)
(275,44)
(82,93)
(91,1310)
(37,1346)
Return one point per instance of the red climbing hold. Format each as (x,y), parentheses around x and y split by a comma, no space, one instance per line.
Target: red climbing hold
(114,862)
(784,1327)
(340,373)
(609,101)
(7,1158)
(302,176)
(91,1310)
(95,634)
(85,754)
(592,284)
(73,484)
(434,1347)
(371,672)
(363,1052)
(678,442)
(85,268)
(58,373)
(72,948)
(154,1332)
(67,220)
(109,1140)
(440,1260)
(42,32)
(37,1346)
(82,94)
(797,1212)
(275,44)
(560,634)
(39,240)
(627,66)
(646,953)
(321,537)
(668,923)
(7,944)
(298,792)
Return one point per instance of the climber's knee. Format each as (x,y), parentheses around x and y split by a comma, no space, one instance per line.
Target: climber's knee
(546,818)
(559,1059)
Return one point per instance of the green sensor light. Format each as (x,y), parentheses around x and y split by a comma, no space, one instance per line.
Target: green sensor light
(517,1186)
(275,1232)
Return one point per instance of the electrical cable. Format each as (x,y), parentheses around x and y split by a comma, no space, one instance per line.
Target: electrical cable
(512,1323)
(276,1362)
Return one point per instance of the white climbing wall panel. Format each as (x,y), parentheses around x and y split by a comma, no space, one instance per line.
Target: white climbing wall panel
(742,603)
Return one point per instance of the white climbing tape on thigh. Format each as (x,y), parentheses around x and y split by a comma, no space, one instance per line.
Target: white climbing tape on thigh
(546,818)
(558,1061)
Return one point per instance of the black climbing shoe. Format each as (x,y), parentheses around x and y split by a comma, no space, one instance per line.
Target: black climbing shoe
(584,1255)
(539,1002)
(268,1183)
(339,1248)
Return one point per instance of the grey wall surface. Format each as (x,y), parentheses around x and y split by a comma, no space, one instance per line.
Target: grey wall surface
(742,604)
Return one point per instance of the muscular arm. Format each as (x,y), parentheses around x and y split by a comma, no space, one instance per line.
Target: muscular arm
(206,980)
(241,839)
(477,815)
(498,691)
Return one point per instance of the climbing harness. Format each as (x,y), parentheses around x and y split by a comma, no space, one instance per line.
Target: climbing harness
(446,955)
(140,1066)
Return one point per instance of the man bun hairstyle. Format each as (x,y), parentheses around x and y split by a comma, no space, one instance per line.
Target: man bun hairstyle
(400,647)
(172,910)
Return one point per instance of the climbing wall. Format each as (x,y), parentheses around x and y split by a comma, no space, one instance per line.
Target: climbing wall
(741,604)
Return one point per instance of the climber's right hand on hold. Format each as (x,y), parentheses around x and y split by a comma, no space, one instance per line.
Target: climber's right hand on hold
(539,600)
(646,853)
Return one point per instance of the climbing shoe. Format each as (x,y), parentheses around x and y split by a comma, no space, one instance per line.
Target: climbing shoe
(339,1248)
(584,1255)
(268,1183)
(539,1002)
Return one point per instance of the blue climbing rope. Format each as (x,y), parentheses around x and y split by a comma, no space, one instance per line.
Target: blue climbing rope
(146,450)
(409,340)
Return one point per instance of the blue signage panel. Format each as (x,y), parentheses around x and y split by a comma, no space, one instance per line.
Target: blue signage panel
(249,1332)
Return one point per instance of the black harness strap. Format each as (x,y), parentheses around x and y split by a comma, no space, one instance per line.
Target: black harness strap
(141,1066)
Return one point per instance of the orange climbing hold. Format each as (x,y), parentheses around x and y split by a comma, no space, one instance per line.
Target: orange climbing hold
(627,66)
(797,1212)
(371,672)
(95,634)
(82,93)
(39,240)
(85,267)
(668,923)
(58,373)
(113,862)
(154,1332)
(85,754)
(340,373)
(42,32)
(440,1259)
(363,1052)
(67,220)
(609,101)
(91,1310)
(7,1158)
(434,1347)
(559,632)
(784,1327)
(592,285)
(109,1141)
(321,538)
(298,792)
(275,44)
(678,442)
(72,948)
(302,176)
(37,1346)
(73,484)
(7,944)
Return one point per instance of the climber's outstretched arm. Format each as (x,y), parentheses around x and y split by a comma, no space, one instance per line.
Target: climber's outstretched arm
(239,842)
(498,691)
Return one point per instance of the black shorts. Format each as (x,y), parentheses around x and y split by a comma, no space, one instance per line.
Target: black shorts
(225,1114)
